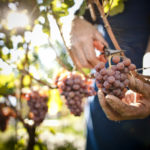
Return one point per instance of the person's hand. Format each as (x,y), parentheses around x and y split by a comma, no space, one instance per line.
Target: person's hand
(81,39)
(133,106)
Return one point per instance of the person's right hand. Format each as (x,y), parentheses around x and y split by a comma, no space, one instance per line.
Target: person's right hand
(82,36)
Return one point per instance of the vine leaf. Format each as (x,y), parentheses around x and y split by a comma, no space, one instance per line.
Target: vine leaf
(82,9)
(116,7)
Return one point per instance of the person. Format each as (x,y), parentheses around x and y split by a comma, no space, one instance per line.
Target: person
(127,127)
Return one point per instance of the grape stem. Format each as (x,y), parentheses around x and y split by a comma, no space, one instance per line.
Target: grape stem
(142,68)
(109,61)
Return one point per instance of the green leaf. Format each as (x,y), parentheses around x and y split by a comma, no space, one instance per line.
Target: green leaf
(7,84)
(46,2)
(70,3)
(46,26)
(9,44)
(52,130)
(118,9)
(40,146)
(20,44)
(59,9)
(45,29)
(86,70)
(82,9)
(115,7)
(26,80)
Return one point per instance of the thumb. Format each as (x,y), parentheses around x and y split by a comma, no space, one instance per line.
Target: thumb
(109,112)
(139,86)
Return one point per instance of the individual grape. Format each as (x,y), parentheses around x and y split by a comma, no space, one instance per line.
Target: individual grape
(77,98)
(71,102)
(77,80)
(116,83)
(117,76)
(99,66)
(76,87)
(122,86)
(127,62)
(68,88)
(117,72)
(120,66)
(69,82)
(126,82)
(103,71)
(116,92)
(98,76)
(132,67)
(116,59)
(126,70)
(105,77)
(111,79)
(106,85)
(71,94)
(114,67)
(123,76)
(110,72)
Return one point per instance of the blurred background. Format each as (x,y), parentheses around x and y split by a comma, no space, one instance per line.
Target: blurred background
(32,54)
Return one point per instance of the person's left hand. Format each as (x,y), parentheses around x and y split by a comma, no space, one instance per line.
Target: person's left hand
(133,106)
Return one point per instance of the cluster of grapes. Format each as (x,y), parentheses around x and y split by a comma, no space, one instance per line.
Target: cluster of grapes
(38,106)
(114,80)
(74,87)
(5,114)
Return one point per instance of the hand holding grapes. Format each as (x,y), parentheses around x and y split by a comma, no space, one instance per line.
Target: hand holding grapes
(115,101)
(133,106)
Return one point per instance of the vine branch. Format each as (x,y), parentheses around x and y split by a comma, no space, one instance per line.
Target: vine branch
(107,26)
(39,81)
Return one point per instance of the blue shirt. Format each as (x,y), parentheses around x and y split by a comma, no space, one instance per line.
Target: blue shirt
(131,29)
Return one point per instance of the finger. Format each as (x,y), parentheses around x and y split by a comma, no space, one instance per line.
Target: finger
(102,58)
(98,36)
(112,115)
(98,45)
(90,54)
(78,53)
(76,61)
(139,86)
(126,111)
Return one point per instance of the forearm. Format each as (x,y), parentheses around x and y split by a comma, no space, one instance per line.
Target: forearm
(146,59)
